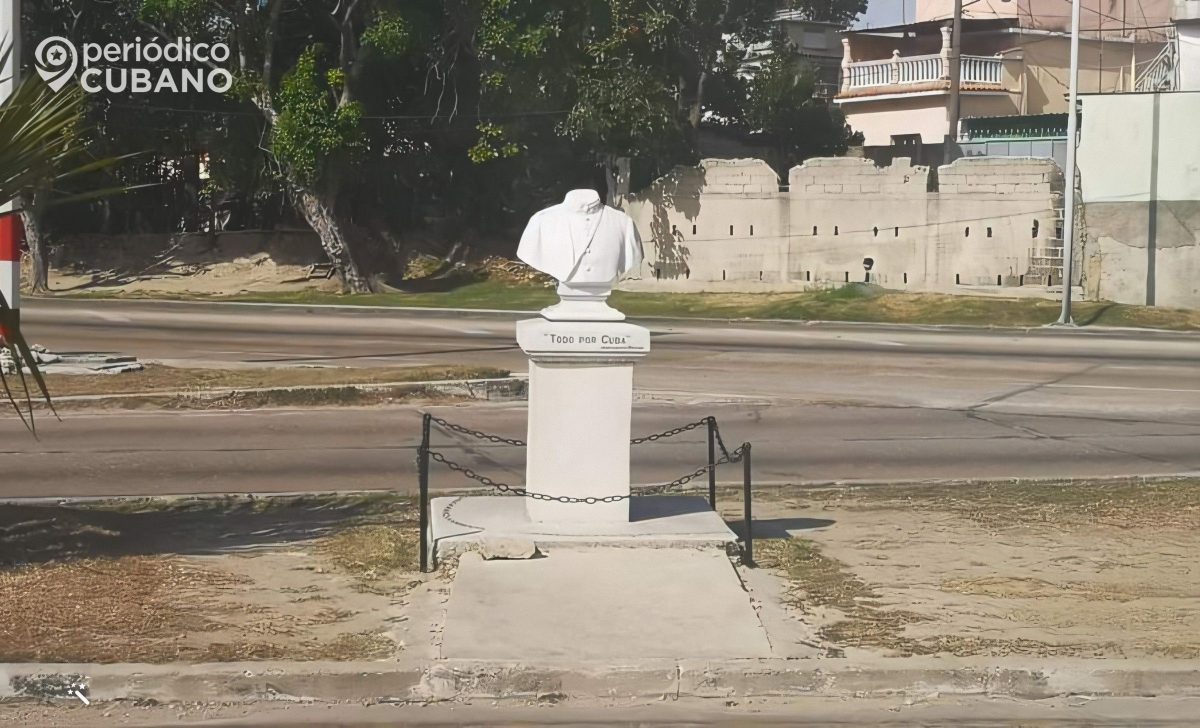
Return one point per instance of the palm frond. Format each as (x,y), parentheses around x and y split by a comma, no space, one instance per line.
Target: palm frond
(22,355)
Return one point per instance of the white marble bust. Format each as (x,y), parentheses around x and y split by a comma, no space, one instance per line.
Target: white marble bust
(587,247)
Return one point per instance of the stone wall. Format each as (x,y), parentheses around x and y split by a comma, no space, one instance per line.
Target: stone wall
(730,225)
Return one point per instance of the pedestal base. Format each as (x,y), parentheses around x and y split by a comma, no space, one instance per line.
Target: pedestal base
(580,405)
(583,302)
(462,524)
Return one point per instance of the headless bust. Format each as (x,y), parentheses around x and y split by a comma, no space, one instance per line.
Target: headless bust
(587,247)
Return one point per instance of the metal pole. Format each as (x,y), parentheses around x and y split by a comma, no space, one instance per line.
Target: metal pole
(747,510)
(712,462)
(423,481)
(955,110)
(11,232)
(1064,318)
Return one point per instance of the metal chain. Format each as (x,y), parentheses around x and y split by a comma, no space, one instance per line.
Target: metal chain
(669,433)
(480,435)
(477,434)
(507,489)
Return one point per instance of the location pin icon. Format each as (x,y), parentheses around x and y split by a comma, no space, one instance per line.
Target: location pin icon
(55,60)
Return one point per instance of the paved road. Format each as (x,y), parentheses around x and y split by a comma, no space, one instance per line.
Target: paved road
(819,402)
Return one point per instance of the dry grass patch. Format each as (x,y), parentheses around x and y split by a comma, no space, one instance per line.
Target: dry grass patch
(818,581)
(132,608)
(1083,569)
(1131,503)
(162,580)
(159,378)
(373,552)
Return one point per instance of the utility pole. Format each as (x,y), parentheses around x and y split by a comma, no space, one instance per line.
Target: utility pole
(10,220)
(1064,318)
(955,109)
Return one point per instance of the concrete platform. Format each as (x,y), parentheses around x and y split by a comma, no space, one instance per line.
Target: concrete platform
(463,524)
(601,604)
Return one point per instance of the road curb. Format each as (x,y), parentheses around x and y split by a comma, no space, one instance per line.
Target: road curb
(517,314)
(460,680)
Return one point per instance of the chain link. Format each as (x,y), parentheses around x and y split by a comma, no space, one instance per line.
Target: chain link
(670,433)
(507,489)
(480,435)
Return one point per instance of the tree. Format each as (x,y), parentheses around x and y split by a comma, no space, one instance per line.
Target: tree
(782,112)
(312,69)
(641,77)
(842,12)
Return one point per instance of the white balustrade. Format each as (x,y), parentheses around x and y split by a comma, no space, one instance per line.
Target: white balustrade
(870,73)
(982,69)
(902,71)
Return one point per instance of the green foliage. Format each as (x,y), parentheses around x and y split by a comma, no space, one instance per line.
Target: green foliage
(842,12)
(780,109)
(312,125)
(173,11)
(620,110)
(491,145)
(501,29)
(390,35)
(472,113)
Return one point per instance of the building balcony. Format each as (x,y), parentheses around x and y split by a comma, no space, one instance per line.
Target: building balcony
(898,75)
(907,74)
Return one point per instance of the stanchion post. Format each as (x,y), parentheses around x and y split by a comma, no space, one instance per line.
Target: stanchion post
(712,462)
(746,506)
(423,479)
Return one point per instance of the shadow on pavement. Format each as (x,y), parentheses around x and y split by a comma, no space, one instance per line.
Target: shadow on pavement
(41,533)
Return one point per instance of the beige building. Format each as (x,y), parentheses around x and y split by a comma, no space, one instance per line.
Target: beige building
(895,85)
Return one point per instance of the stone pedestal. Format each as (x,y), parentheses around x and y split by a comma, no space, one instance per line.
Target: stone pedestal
(580,406)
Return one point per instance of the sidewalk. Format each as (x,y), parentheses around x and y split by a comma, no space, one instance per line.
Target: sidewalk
(511,681)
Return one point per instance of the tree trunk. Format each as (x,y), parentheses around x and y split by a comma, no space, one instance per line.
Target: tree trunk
(320,216)
(610,180)
(36,238)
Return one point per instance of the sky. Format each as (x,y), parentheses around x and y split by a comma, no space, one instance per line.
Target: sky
(887,12)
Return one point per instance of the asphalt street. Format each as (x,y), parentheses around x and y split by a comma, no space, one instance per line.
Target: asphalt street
(819,402)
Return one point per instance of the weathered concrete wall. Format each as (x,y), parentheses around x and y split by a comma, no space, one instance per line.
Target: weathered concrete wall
(1139,162)
(728,225)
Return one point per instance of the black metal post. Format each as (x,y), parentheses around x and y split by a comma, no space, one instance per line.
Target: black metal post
(746,507)
(423,481)
(712,462)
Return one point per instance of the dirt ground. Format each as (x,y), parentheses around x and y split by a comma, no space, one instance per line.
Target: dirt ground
(239,262)
(236,579)
(1070,570)
(1092,570)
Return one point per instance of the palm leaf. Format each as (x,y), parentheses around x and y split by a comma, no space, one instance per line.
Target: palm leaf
(23,357)
(39,129)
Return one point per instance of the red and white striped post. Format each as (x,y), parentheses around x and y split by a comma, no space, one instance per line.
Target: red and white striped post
(11,232)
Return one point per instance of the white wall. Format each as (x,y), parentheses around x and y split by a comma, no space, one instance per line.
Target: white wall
(1139,162)
(1133,145)
(879,119)
(726,225)
(1189,55)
